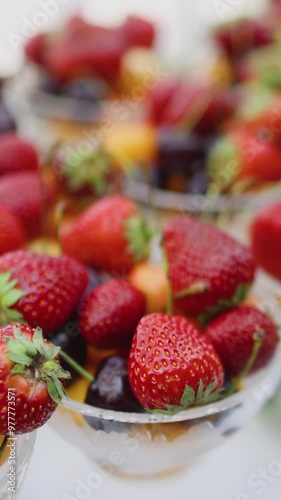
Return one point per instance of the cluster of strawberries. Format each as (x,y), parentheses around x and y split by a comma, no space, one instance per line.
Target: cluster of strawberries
(84,49)
(177,357)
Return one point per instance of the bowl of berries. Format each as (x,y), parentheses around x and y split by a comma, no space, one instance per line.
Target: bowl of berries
(162,387)
(78,78)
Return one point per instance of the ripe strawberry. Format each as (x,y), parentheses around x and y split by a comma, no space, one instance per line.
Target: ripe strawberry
(244,156)
(199,107)
(208,270)
(22,194)
(30,379)
(39,289)
(16,154)
(138,32)
(110,235)
(110,313)
(12,234)
(233,335)
(35,47)
(171,365)
(160,96)
(266,239)
(239,37)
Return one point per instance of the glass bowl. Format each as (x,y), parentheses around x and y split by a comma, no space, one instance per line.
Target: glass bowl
(153,445)
(48,118)
(22,454)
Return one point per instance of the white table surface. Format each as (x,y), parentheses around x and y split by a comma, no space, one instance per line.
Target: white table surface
(57,468)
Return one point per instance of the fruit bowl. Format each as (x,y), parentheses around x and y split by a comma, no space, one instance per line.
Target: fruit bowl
(23,453)
(152,444)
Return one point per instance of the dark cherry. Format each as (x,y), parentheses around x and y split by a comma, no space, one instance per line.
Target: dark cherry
(111,389)
(180,154)
(7,123)
(70,340)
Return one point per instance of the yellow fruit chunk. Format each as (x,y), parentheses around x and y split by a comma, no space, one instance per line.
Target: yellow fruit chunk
(131,143)
(138,70)
(151,280)
(45,246)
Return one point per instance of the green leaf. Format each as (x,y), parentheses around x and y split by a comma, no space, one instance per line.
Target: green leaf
(14,316)
(11,297)
(188,396)
(22,340)
(5,277)
(18,368)
(139,234)
(200,391)
(53,390)
(225,304)
(38,341)
(20,357)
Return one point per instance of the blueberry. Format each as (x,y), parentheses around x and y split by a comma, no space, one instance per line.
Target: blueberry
(70,340)
(7,123)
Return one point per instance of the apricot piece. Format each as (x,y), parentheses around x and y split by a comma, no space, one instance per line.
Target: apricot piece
(151,280)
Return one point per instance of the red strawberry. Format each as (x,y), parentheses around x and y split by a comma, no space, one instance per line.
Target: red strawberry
(171,365)
(22,193)
(208,270)
(39,289)
(199,107)
(160,96)
(16,154)
(110,313)
(11,232)
(93,51)
(266,239)
(241,36)
(138,32)
(35,48)
(110,235)
(246,157)
(233,336)
(30,379)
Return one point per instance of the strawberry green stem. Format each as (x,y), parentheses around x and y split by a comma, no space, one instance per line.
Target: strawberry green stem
(169,303)
(258,340)
(78,368)
(3,446)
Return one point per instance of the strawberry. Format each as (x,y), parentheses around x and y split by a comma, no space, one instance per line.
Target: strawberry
(110,313)
(199,107)
(111,235)
(22,194)
(243,156)
(160,96)
(35,47)
(12,234)
(138,32)
(233,335)
(237,38)
(266,239)
(208,270)
(30,378)
(171,365)
(39,289)
(17,154)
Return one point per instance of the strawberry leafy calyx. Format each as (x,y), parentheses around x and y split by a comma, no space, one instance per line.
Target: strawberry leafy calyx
(222,305)
(190,398)
(91,170)
(38,357)
(9,296)
(139,235)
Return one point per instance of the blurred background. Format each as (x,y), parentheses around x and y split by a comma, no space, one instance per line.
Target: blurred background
(183,24)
